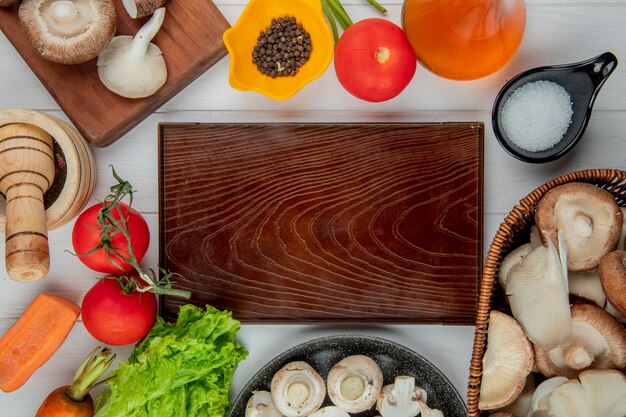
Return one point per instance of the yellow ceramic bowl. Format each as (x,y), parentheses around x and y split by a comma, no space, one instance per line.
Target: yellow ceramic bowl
(241,39)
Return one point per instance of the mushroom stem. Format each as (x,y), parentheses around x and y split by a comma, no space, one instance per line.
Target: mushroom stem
(142,39)
(583,226)
(577,357)
(63,11)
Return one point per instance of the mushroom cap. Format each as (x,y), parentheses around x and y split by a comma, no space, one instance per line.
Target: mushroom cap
(613,279)
(612,311)
(512,259)
(541,396)
(133,67)
(596,393)
(598,341)
(588,217)
(297,389)
(261,404)
(521,405)
(354,383)
(586,284)
(507,362)
(68,31)
(330,411)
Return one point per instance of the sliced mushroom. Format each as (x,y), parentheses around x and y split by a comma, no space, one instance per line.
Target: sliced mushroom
(613,279)
(539,402)
(537,288)
(355,383)
(507,362)
(261,404)
(134,67)
(297,389)
(401,399)
(511,260)
(330,411)
(598,341)
(141,8)
(596,393)
(586,284)
(588,217)
(68,31)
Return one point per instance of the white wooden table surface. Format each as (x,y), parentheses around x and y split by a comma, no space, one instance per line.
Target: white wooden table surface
(556,32)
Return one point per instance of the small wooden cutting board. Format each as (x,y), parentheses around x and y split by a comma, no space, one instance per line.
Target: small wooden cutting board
(315,222)
(191,42)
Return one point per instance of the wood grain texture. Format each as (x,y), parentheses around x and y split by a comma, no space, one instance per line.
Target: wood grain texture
(191,42)
(345,222)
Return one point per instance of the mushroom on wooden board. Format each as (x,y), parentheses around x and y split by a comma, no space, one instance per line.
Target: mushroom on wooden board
(507,362)
(68,31)
(354,383)
(613,279)
(261,404)
(587,216)
(134,67)
(598,341)
(537,288)
(297,389)
(141,8)
(596,393)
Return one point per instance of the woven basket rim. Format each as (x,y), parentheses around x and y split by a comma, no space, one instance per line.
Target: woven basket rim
(612,180)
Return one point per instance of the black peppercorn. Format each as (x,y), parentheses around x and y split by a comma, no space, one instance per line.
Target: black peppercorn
(282,48)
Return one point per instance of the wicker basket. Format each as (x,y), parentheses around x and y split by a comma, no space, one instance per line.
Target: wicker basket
(514,231)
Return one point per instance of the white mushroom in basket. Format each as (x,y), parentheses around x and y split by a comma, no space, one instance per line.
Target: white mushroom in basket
(588,218)
(507,362)
(330,411)
(297,389)
(261,404)
(402,399)
(134,67)
(539,402)
(521,405)
(68,31)
(537,288)
(613,279)
(511,260)
(354,383)
(598,341)
(596,393)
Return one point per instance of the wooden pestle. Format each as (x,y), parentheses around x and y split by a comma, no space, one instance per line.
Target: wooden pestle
(26,173)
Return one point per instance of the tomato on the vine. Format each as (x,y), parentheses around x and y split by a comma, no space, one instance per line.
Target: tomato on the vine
(86,236)
(374,60)
(116,317)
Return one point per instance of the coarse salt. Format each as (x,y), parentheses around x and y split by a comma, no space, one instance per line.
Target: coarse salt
(536,115)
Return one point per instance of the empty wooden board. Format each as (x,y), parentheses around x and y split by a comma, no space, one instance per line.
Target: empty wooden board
(191,42)
(324,222)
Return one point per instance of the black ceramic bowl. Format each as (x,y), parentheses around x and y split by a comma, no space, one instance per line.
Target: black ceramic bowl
(393,359)
(582,80)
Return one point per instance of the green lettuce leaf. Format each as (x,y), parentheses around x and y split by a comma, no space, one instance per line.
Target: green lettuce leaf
(183,369)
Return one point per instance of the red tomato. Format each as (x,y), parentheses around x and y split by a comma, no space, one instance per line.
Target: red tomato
(374,60)
(85,237)
(116,318)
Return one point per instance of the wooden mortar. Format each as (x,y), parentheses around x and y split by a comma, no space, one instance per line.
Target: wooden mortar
(79,160)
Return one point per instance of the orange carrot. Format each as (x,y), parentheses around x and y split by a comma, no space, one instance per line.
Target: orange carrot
(34,338)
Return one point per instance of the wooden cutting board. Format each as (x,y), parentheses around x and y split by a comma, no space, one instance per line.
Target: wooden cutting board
(315,222)
(191,42)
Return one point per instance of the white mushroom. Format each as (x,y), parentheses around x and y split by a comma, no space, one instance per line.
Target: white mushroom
(261,404)
(539,402)
(401,399)
(141,8)
(134,67)
(354,383)
(297,389)
(598,341)
(68,31)
(330,411)
(507,362)
(537,289)
(587,285)
(588,218)
(596,393)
